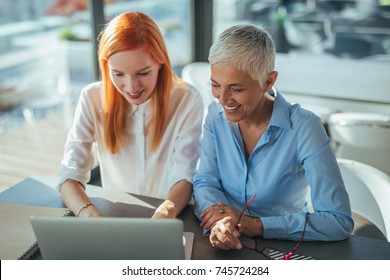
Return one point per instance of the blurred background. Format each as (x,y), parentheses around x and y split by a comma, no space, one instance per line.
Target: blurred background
(48,53)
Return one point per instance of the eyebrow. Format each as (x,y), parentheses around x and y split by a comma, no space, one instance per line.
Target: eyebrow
(140,70)
(231,85)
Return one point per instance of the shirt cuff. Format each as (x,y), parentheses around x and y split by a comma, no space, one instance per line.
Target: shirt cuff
(274,227)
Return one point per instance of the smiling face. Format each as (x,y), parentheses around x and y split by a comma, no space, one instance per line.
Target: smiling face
(241,97)
(134,74)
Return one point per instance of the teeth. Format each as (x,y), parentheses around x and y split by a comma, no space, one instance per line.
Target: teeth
(231,108)
(135,94)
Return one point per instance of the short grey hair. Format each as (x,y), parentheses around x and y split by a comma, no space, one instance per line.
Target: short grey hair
(246,47)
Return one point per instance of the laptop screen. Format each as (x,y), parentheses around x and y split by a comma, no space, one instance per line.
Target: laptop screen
(107,238)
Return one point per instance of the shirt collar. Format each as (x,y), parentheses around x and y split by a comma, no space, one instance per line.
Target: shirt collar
(281,112)
(143,108)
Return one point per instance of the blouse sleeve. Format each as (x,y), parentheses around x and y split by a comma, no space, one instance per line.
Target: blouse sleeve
(78,157)
(187,140)
(207,181)
(331,219)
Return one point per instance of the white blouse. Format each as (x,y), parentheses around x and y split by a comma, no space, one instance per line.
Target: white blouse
(135,168)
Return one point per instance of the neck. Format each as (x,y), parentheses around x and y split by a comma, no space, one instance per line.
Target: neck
(262,115)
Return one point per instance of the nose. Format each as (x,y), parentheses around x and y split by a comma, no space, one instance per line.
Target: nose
(131,84)
(223,96)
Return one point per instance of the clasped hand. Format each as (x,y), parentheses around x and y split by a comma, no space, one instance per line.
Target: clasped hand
(222,220)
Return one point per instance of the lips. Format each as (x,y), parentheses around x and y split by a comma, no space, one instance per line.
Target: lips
(231,109)
(135,95)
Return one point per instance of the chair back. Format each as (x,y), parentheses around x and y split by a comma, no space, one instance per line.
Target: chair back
(363,137)
(362,130)
(198,75)
(369,192)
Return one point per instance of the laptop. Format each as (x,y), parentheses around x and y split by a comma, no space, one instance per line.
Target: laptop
(71,238)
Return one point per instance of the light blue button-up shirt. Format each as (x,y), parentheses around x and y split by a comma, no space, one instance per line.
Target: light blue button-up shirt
(293,153)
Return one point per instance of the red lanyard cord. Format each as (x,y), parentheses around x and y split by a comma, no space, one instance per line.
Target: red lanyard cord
(246,207)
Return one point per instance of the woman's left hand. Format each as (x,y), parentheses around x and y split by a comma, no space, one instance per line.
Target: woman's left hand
(166,210)
(224,234)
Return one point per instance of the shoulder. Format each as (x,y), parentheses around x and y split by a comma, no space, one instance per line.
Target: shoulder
(92,93)
(303,117)
(185,98)
(288,114)
(215,115)
(181,90)
(308,127)
(291,112)
(92,89)
(215,109)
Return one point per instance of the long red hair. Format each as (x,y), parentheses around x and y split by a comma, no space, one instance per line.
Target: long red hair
(125,32)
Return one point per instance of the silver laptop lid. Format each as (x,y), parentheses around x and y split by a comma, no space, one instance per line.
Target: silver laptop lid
(106,238)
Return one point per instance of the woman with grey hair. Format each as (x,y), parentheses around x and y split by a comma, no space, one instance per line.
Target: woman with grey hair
(260,154)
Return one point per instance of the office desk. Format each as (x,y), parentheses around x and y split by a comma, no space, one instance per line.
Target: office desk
(34,192)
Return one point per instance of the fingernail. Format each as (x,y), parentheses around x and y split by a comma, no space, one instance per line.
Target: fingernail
(235,234)
(239,246)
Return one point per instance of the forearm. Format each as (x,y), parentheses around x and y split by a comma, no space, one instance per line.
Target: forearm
(207,195)
(75,198)
(177,198)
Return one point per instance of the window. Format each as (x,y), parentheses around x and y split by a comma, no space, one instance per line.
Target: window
(46,57)
(349,29)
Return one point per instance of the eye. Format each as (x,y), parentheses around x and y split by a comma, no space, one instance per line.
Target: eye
(117,74)
(143,73)
(214,85)
(236,90)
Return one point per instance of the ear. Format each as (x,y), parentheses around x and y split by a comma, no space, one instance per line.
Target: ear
(271,79)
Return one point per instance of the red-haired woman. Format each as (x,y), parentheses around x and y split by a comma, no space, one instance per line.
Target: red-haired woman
(146,123)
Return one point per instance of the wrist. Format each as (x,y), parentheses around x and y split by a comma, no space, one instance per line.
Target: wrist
(252,226)
(88,210)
